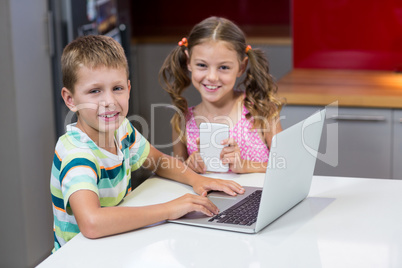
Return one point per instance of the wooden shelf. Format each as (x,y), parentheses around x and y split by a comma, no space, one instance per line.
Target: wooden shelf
(355,88)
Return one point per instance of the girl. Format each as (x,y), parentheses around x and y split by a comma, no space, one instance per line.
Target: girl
(213,56)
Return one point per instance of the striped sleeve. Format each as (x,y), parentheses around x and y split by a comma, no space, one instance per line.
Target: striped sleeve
(138,146)
(78,172)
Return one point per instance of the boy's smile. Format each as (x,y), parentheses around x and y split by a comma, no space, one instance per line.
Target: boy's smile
(100,100)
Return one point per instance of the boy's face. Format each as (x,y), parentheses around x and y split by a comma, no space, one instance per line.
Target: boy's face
(101,98)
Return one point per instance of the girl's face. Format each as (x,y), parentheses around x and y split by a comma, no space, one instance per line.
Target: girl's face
(215,68)
(101,98)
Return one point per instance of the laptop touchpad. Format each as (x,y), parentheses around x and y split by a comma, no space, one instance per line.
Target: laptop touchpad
(220,199)
(219,194)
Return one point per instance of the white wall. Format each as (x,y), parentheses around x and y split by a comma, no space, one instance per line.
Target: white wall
(27,135)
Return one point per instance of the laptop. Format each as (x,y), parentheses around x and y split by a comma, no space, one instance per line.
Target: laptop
(287,182)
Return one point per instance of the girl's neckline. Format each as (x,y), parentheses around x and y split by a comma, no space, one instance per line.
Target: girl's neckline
(233,114)
(243,114)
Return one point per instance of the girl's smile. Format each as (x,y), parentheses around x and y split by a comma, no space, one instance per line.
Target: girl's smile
(211,88)
(214,68)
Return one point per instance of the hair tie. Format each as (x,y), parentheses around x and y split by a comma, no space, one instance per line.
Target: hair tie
(183,42)
(248,48)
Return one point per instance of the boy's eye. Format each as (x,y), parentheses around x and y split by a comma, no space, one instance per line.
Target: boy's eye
(118,88)
(225,67)
(94,91)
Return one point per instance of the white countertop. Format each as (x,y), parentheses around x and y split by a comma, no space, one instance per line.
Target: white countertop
(344,222)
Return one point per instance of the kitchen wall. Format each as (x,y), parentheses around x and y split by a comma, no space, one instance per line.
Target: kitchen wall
(27,134)
(358,34)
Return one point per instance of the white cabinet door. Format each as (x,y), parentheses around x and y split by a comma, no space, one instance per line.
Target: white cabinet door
(356,142)
(397,146)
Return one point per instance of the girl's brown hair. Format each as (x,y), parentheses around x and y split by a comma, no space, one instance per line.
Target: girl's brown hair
(258,84)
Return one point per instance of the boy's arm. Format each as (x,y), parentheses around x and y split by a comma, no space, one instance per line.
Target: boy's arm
(172,168)
(95,221)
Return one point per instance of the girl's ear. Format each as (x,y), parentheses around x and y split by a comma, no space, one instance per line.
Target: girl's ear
(243,66)
(188,61)
(68,99)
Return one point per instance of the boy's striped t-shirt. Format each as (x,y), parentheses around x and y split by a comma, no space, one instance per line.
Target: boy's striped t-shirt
(79,164)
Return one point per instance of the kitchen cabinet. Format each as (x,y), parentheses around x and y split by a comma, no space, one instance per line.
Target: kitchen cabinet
(397,145)
(356,142)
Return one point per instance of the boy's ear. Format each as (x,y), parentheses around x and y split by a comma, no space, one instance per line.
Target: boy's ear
(188,61)
(243,66)
(129,87)
(68,99)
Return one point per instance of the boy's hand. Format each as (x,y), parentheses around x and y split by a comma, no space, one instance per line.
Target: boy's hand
(188,203)
(195,162)
(204,184)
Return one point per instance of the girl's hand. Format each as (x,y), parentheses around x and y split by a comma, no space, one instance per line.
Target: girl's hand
(230,154)
(195,162)
(188,203)
(203,185)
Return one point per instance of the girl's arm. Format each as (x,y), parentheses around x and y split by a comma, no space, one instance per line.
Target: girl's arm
(231,155)
(274,128)
(179,148)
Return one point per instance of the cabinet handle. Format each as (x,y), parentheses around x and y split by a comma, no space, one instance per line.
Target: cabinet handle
(366,118)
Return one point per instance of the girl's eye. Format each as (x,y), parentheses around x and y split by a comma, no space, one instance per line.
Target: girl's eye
(201,65)
(225,67)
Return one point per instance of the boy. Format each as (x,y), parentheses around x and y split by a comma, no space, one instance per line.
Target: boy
(93,161)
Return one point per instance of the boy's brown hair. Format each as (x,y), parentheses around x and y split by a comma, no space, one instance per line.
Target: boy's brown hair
(91,51)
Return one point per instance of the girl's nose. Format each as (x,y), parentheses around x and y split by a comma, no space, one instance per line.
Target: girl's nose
(212,75)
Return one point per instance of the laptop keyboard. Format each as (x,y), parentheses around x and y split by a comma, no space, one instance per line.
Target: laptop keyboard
(244,212)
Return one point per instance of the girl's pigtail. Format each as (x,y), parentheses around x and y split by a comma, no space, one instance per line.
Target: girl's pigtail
(260,89)
(174,78)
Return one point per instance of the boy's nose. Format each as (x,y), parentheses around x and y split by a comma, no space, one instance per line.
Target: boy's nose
(108,99)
